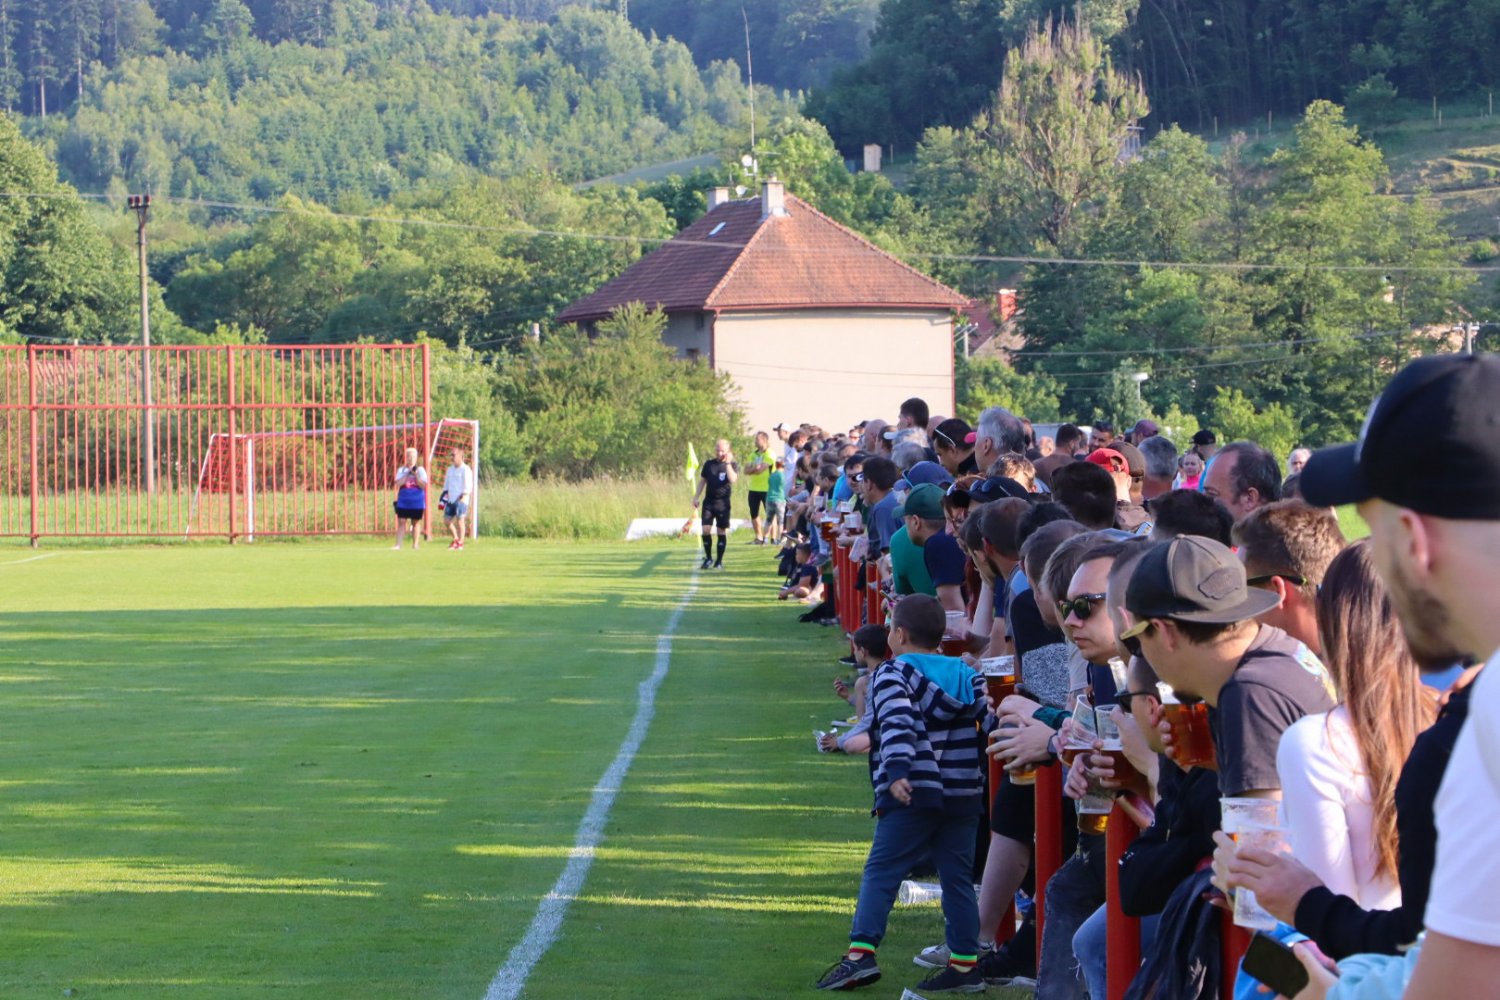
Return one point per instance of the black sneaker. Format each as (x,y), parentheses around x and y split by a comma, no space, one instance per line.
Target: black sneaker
(950,980)
(1002,968)
(718,565)
(707,563)
(851,974)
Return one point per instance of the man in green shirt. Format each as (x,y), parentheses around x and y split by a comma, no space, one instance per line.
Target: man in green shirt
(759,483)
(909,566)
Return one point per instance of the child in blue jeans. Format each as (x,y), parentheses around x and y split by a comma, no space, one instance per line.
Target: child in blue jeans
(929,797)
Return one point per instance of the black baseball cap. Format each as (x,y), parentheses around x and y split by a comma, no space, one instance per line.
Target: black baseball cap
(1431,443)
(1193,579)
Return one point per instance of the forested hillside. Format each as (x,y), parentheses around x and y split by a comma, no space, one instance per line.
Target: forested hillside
(932,62)
(367,101)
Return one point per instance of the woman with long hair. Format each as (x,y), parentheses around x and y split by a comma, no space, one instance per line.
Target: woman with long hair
(1339,769)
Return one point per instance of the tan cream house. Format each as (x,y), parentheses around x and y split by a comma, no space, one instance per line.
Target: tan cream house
(811,321)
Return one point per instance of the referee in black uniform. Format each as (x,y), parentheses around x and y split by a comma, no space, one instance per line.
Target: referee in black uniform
(714,484)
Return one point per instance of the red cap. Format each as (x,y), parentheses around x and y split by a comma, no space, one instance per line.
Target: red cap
(1109,459)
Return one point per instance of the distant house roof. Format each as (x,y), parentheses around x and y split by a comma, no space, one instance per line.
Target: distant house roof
(737,258)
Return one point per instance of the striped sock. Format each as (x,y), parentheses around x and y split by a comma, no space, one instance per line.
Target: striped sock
(858,949)
(963,963)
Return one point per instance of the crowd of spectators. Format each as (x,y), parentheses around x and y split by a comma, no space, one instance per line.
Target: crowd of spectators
(1190,638)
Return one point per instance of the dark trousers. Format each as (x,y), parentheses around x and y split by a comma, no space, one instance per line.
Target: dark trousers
(904,839)
(1074,892)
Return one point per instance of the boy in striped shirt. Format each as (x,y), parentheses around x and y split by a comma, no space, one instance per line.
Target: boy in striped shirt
(925,761)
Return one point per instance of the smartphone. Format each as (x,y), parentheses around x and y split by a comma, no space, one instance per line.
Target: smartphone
(1272,963)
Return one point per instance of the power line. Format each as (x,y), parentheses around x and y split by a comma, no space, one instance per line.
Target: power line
(1021,259)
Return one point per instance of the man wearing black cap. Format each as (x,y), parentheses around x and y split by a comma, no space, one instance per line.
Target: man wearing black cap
(1193,612)
(1426,475)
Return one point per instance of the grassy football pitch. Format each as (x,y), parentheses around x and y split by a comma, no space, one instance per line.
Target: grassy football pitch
(334,770)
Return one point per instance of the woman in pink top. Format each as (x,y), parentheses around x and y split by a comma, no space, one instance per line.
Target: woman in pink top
(1338,770)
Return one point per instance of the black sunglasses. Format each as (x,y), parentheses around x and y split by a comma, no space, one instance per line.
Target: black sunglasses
(1082,606)
(859,477)
(938,433)
(1132,646)
(1259,581)
(1122,698)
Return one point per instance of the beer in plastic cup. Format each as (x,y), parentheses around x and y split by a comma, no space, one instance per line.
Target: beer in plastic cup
(1247,909)
(1192,741)
(999,677)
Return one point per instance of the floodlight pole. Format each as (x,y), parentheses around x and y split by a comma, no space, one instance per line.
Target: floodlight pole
(141,205)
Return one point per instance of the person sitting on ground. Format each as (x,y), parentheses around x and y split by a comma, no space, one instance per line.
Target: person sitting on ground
(929,794)
(1188,512)
(871,648)
(806,583)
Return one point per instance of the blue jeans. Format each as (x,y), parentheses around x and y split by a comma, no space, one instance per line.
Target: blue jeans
(904,838)
(1073,894)
(1090,948)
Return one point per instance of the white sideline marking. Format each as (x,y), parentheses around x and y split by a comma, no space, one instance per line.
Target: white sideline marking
(17,562)
(511,978)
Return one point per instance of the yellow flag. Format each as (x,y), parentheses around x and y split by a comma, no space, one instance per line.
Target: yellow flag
(692,463)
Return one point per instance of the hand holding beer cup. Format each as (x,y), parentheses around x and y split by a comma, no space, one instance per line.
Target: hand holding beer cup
(1076,785)
(1020,741)
(1019,704)
(1279,881)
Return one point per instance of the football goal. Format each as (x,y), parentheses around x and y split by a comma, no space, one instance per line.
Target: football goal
(331,481)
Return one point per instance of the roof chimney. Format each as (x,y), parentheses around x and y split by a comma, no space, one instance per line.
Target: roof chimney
(772,198)
(717,196)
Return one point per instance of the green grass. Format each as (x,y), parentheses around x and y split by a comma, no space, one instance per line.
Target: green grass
(339,771)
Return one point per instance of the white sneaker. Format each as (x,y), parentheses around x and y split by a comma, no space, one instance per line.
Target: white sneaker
(935,957)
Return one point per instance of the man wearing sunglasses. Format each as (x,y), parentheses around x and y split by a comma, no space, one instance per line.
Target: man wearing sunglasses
(950,441)
(1286,548)
(1191,608)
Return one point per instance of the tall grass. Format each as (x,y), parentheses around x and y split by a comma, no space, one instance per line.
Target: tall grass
(591,510)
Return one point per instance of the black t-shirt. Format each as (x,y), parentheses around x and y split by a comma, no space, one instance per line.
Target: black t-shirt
(716,474)
(1337,923)
(1277,682)
(1027,628)
(1181,836)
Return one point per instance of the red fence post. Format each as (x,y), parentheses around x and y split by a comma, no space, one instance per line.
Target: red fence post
(1049,839)
(1007,928)
(233,450)
(1123,933)
(1233,941)
(427,435)
(872,594)
(31,417)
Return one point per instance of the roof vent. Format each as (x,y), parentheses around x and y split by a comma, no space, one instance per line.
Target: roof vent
(715,230)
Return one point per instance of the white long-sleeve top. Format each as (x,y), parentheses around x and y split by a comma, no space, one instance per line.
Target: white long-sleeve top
(458,480)
(1328,807)
(404,471)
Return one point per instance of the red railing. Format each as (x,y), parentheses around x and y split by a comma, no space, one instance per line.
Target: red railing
(234,440)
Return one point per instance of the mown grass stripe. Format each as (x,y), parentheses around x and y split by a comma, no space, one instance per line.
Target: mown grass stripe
(512,976)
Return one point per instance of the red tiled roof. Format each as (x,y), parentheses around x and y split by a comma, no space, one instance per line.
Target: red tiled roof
(800,260)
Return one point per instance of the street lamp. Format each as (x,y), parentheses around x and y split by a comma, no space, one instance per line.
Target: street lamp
(1140,377)
(140,204)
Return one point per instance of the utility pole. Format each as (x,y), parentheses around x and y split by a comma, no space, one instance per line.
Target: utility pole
(749,76)
(141,205)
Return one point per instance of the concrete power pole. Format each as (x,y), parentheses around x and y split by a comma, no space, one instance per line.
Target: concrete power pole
(141,205)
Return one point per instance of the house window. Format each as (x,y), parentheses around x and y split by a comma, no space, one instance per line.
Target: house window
(698,321)
(692,354)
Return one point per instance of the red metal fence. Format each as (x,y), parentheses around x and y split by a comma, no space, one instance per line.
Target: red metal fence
(121,441)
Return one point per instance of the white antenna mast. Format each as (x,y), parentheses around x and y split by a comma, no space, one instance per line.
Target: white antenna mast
(749,75)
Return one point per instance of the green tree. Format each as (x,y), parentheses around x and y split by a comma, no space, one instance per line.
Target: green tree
(1272,426)
(1061,118)
(983,382)
(618,404)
